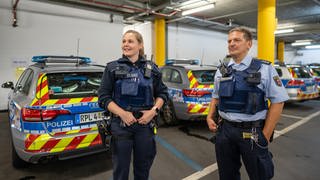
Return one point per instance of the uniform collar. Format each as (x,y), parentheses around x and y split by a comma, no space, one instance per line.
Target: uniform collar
(246,61)
(125,59)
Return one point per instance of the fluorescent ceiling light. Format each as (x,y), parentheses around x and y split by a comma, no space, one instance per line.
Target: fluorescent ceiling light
(198,9)
(194,5)
(300,43)
(281,31)
(189,2)
(313,47)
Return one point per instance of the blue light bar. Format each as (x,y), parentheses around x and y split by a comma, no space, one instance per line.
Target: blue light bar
(182,61)
(61,59)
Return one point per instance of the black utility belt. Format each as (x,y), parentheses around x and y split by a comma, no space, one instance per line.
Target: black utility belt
(246,124)
(136,114)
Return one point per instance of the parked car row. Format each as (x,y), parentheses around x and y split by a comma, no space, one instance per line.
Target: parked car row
(298,82)
(53,106)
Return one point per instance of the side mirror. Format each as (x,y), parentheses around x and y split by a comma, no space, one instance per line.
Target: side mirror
(8,84)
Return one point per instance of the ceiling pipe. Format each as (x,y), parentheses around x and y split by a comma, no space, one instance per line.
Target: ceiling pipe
(113,5)
(14,12)
(153,11)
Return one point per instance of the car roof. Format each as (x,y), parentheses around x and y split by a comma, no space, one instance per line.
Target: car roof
(67,67)
(194,67)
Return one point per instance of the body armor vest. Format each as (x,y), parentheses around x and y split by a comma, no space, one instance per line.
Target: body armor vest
(238,92)
(133,90)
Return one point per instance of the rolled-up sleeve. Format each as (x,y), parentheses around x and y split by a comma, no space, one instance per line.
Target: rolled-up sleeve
(106,88)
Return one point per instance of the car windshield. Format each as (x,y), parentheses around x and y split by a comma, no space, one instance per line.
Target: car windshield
(204,76)
(72,85)
(300,72)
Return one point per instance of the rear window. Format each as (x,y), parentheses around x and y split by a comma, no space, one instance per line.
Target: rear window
(300,72)
(316,71)
(72,85)
(204,76)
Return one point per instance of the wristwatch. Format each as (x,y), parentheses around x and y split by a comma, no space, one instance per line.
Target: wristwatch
(156,109)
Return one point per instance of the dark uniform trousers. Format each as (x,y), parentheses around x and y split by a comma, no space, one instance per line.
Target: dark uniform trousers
(230,145)
(140,139)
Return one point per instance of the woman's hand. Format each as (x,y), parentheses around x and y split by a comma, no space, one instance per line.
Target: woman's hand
(147,116)
(128,118)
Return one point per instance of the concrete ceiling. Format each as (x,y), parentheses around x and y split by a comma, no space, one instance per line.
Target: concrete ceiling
(302,15)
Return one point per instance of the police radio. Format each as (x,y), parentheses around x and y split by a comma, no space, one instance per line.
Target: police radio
(148,69)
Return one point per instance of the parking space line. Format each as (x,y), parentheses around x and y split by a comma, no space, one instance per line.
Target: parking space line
(291,116)
(214,167)
(178,154)
(295,125)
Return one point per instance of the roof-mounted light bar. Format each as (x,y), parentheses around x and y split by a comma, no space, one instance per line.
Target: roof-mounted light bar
(61,59)
(182,61)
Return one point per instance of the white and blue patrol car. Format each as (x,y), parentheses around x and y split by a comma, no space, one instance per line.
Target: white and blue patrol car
(53,110)
(190,88)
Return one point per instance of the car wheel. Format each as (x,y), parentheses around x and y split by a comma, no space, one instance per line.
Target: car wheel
(17,162)
(168,115)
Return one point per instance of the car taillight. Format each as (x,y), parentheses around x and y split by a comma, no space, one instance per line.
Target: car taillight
(295,83)
(41,114)
(195,93)
(317,79)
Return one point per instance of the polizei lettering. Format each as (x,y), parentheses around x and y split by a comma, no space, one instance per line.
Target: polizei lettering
(60,124)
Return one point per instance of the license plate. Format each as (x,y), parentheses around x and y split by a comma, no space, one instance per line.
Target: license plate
(309,88)
(89,117)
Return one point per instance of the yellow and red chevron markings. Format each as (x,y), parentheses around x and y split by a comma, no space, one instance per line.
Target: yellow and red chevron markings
(58,143)
(307,96)
(42,95)
(198,108)
(194,83)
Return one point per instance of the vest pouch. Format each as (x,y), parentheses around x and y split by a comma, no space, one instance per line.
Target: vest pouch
(252,104)
(226,86)
(129,88)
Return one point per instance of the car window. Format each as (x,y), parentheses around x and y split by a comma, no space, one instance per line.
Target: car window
(166,74)
(204,76)
(300,72)
(175,77)
(316,71)
(75,84)
(28,82)
(279,71)
(24,81)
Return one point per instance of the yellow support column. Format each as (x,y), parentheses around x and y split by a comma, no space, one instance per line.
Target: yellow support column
(266,28)
(280,52)
(160,41)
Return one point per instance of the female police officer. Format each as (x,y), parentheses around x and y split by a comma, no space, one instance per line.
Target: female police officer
(133,92)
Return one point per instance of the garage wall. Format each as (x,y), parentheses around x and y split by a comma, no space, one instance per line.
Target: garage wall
(302,56)
(53,30)
(194,43)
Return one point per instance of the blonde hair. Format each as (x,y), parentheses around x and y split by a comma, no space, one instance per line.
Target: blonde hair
(139,39)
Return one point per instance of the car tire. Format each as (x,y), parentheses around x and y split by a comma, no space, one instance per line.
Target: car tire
(17,162)
(167,115)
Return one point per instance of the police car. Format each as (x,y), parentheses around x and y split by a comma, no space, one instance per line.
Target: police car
(53,110)
(190,88)
(315,72)
(298,82)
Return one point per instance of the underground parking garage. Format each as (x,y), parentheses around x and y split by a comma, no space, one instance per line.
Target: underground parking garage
(187,40)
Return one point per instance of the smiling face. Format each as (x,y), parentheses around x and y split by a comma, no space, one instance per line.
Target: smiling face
(131,46)
(238,45)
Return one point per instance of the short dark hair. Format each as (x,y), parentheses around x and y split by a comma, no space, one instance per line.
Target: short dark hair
(246,33)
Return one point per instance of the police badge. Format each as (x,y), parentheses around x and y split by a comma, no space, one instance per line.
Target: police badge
(277,80)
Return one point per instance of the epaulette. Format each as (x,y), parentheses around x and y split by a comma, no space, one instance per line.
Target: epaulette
(264,61)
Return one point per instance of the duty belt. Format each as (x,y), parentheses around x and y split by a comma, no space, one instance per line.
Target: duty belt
(246,124)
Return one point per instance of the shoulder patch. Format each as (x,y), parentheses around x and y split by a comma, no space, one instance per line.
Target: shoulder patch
(277,81)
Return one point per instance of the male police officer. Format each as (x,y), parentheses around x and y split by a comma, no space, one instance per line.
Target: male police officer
(242,87)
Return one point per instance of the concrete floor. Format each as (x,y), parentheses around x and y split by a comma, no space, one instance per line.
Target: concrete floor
(179,155)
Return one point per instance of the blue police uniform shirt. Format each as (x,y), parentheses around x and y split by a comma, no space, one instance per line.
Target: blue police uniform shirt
(274,91)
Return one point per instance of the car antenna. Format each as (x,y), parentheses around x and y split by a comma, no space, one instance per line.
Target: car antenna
(78,45)
(202,55)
